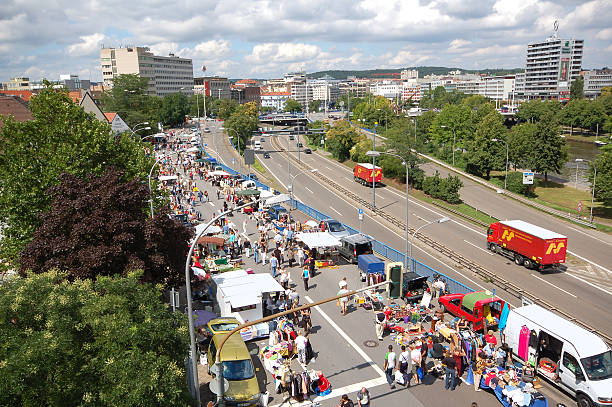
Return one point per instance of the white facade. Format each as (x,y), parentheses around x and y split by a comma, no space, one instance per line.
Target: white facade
(302,93)
(595,80)
(165,74)
(551,67)
(275,100)
(387,89)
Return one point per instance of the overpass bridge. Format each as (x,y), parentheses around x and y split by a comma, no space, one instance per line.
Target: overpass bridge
(287,119)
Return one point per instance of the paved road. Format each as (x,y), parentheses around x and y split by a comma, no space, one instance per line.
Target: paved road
(589,299)
(340,343)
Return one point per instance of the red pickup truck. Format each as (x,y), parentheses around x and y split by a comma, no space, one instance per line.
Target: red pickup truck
(482,310)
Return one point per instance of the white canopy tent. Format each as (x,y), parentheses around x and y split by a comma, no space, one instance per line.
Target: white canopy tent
(211,229)
(218,173)
(167,178)
(193,149)
(318,239)
(277,199)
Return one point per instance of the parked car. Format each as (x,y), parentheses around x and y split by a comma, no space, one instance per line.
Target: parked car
(262,139)
(206,130)
(413,287)
(276,211)
(252,176)
(300,145)
(307,151)
(480,309)
(334,228)
(291,137)
(355,245)
(266,155)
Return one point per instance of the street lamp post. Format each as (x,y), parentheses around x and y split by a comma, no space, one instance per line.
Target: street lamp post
(290,186)
(594,180)
(441,220)
(150,189)
(374,169)
(506,177)
(454,137)
(376,154)
(142,128)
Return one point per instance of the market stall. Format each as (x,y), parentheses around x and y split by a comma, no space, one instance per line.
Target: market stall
(325,244)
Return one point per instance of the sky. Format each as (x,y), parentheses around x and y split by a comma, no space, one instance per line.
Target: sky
(265,39)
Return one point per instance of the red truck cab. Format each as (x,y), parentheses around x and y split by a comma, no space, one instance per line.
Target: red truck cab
(482,310)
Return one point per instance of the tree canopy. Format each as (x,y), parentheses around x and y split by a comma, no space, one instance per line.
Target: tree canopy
(109,342)
(549,152)
(341,138)
(175,107)
(292,105)
(98,226)
(61,138)
(603,184)
(242,123)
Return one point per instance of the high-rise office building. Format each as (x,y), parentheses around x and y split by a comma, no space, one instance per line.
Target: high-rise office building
(551,67)
(166,75)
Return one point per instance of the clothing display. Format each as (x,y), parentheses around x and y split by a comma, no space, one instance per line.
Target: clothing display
(523,347)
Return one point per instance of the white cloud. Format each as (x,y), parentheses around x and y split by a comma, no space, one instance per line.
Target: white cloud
(89,45)
(458,45)
(282,52)
(605,34)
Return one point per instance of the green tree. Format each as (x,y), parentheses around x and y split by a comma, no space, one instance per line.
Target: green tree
(341,138)
(109,342)
(175,107)
(521,140)
(484,154)
(515,184)
(292,105)
(534,110)
(97,226)
(130,97)
(577,89)
(603,183)
(314,105)
(60,138)
(242,123)
(549,150)
(454,125)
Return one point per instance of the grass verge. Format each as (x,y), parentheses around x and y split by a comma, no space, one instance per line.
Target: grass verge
(462,208)
(259,167)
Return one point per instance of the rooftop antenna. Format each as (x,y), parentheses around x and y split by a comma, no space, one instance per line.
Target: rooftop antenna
(556,28)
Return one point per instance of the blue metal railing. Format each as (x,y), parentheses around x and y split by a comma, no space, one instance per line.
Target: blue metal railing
(382,249)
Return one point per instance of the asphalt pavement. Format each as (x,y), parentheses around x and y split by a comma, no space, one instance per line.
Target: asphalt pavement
(341,341)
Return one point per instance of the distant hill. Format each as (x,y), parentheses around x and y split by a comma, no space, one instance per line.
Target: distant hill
(423,71)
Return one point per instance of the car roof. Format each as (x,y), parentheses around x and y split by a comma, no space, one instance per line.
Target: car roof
(223,320)
(409,275)
(356,238)
(234,348)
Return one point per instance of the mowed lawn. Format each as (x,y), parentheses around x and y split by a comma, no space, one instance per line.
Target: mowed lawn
(566,198)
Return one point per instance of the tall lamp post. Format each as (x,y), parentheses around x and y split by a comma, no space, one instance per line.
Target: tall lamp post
(454,137)
(142,128)
(506,177)
(441,220)
(290,186)
(378,153)
(150,189)
(594,180)
(374,169)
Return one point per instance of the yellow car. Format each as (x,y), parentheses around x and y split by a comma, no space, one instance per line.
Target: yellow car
(238,370)
(214,326)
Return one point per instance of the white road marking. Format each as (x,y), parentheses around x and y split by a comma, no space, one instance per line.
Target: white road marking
(333,209)
(478,247)
(591,236)
(551,284)
(211,204)
(336,393)
(589,261)
(348,339)
(589,283)
(308,189)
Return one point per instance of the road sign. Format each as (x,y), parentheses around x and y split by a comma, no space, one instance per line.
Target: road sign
(249,156)
(579,206)
(528,178)
(360,214)
(233,161)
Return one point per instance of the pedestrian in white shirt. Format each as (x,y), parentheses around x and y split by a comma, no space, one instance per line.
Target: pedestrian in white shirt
(300,344)
(343,283)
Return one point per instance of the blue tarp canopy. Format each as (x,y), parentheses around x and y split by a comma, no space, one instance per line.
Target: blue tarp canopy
(368,263)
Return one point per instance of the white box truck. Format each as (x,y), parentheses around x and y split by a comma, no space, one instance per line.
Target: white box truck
(562,352)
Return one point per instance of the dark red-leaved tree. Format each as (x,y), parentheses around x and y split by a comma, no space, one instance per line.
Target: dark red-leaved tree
(99,226)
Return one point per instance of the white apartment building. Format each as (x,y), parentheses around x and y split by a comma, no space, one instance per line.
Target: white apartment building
(275,100)
(19,83)
(387,88)
(411,90)
(302,93)
(355,87)
(325,89)
(408,74)
(595,80)
(551,67)
(166,75)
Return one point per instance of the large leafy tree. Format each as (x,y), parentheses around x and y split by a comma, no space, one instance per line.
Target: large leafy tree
(61,138)
(577,89)
(130,97)
(292,105)
(109,342)
(521,140)
(175,107)
(341,138)
(484,154)
(534,110)
(603,184)
(98,226)
(453,124)
(549,152)
(242,123)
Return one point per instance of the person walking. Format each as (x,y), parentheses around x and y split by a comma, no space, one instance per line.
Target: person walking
(300,343)
(363,397)
(481,364)
(345,401)
(273,265)
(451,373)
(343,300)
(415,355)
(300,256)
(390,360)
(306,276)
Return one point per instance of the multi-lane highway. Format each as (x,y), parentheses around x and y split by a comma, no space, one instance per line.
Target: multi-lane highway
(588,299)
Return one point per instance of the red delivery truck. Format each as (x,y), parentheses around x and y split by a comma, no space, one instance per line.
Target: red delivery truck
(528,245)
(363,174)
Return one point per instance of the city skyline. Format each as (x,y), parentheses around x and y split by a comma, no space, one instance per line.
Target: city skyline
(265,40)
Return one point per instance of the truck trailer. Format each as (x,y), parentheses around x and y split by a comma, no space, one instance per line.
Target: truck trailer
(528,245)
(363,174)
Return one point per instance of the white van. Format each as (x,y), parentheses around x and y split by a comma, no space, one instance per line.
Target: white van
(249,184)
(564,353)
(257,145)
